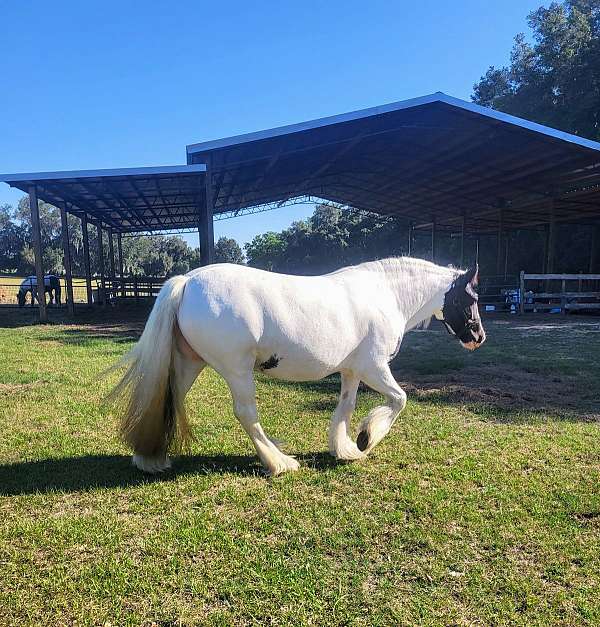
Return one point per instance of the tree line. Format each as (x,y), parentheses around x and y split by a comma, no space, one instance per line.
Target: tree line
(153,255)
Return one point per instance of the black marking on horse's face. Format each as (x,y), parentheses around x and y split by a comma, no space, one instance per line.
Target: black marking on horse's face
(460,312)
(271,363)
(362,441)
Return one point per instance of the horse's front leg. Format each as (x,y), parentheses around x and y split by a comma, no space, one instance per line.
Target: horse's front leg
(374,427)
(243,392)
(341,446)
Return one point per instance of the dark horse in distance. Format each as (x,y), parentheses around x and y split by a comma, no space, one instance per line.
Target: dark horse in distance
(29,284)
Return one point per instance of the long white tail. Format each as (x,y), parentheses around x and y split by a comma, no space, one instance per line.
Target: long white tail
(153,419)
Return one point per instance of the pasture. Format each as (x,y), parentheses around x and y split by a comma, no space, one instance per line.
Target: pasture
(482,506)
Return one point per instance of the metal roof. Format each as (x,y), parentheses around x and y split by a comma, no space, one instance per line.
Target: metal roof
(429,158)
(438,96)
(127,199)
(434,158)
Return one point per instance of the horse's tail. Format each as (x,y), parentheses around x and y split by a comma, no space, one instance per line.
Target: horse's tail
(153,419)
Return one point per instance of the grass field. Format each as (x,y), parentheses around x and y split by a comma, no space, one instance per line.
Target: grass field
(482,506)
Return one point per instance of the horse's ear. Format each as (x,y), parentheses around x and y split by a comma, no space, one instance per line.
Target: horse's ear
(472,275)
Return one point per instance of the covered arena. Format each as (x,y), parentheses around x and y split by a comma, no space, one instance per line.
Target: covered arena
(443,165)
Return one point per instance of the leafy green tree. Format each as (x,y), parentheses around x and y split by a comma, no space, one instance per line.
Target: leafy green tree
(556,79)
(264,250)
(156,255)
(227,250)
(13,239)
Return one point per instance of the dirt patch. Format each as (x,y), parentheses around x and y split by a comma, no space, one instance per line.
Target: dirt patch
(506,388)
(7,389)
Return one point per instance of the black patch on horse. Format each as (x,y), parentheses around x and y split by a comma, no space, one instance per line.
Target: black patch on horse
(362,441)
(459,313)
(271,363)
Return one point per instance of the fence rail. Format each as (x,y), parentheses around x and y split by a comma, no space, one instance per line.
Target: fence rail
(136,289)
(559,293)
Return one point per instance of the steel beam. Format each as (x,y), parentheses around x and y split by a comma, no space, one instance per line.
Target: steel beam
(550,245)
(593,248)
(37,250)
(121,271)
(111,255)
(67,258)
(86,259)
(205,221)
(462,240)
(101,265)
(499,236)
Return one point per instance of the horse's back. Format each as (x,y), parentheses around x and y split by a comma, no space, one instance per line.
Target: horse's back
(308,325)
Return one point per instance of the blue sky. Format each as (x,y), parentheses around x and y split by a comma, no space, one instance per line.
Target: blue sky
(130,83)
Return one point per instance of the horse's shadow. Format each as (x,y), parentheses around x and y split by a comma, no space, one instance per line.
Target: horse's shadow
(89,472)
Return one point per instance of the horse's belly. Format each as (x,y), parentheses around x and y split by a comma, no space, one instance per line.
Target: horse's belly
(296,361)
(290,369)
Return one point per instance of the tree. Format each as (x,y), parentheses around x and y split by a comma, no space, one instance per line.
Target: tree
(13,239)
(555,80)
(227,250)
(151,256)
(264,250)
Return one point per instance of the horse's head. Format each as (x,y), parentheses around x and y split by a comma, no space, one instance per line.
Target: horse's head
(21,297)
(460,313)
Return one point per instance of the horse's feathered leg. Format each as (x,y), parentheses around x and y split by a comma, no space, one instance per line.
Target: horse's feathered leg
(243,392)
(341,446)
(374,427)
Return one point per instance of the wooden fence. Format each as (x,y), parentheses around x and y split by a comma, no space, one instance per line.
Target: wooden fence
(137,289)
(559,292)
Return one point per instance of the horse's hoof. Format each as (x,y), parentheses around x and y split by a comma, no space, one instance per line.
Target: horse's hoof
(362,441)
(151,465)
(285,464)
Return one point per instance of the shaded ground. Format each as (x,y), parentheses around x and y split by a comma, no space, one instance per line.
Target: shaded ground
(528,363)
(507,388)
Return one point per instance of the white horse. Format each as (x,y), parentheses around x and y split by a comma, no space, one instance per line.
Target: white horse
(238,319)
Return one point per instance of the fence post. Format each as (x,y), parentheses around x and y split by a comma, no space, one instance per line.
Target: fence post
(522,292)
(135,290)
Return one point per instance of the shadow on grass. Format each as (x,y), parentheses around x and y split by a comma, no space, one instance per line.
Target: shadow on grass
(79,474)
(88,320)
(79,337)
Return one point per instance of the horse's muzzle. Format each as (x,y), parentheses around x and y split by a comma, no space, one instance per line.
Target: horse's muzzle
(475,342)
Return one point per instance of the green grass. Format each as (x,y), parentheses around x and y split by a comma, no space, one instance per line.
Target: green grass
(482,506)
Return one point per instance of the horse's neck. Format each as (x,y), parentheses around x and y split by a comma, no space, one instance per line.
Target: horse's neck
(419,286)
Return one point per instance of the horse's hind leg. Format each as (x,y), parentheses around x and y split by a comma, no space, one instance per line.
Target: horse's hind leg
(374,427)
(341,446)
(243,392)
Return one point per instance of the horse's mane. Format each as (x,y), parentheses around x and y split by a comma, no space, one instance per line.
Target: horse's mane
(400,262)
